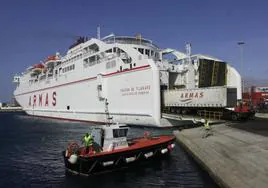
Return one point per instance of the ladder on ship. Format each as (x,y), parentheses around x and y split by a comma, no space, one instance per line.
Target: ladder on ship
(108,117)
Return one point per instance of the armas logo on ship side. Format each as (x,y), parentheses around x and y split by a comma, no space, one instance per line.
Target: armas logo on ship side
(43,99)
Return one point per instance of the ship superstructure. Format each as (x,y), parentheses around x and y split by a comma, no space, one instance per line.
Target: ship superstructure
(129,73)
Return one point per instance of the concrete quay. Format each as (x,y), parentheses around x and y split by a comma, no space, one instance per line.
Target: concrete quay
(11,109)
(262,115)
(232,156)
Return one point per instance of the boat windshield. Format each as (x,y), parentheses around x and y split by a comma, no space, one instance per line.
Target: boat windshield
(120,133)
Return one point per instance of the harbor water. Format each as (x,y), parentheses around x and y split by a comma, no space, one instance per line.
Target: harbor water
(30,150)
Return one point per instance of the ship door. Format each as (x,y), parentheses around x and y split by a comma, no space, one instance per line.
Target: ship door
(100,87)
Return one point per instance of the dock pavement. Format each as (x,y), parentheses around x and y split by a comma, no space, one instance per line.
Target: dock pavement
(262,115)
(232,156)
(11,109)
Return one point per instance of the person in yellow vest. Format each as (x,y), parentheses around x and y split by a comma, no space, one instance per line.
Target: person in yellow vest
(207,129)
(88,141)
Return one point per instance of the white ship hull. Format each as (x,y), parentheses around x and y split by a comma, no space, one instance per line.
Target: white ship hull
(131,100)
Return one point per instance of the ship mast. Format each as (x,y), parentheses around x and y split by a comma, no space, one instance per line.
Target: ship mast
(98,32)
(188,51)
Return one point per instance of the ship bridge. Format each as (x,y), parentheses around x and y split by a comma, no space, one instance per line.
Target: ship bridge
(110,39)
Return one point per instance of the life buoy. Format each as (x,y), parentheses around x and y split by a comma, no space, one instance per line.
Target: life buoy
(147,135)
(73,158)
(72,148)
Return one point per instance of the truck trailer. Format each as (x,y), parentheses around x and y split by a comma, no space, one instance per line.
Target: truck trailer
(200,84)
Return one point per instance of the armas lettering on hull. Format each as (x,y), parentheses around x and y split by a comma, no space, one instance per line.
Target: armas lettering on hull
(39,100)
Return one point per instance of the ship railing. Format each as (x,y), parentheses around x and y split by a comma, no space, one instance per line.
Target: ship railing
(85,54)
(108,57)
(131,42)
(97,61)
(210,114)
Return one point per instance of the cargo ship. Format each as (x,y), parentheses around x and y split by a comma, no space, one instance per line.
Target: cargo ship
(133,74)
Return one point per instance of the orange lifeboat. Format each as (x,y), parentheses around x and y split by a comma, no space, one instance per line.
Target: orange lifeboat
(38,66)
(51,60)
(37,69)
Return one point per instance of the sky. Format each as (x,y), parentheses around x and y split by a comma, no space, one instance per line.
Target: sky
(33,29)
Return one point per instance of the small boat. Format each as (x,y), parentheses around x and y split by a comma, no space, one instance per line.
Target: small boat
(113,150)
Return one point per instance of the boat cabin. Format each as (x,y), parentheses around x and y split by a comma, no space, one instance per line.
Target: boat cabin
(111,137)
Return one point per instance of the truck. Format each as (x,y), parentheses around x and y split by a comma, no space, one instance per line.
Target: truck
(220,102)
(201,85)
(257,97)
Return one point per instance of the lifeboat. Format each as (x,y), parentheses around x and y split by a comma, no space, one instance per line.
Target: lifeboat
(37,69)
(51,60)
(112,150)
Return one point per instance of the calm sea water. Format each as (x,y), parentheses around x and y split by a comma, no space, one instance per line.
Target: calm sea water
(30,156)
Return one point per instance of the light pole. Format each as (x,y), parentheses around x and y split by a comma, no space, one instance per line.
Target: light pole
(241,43)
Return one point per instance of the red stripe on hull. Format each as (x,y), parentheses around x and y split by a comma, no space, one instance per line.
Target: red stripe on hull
(141,143)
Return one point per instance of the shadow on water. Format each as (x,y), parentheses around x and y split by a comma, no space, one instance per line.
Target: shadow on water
(160,173)
(139,175)
(31,157)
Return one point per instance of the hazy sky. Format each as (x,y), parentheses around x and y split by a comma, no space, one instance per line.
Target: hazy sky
(32,30)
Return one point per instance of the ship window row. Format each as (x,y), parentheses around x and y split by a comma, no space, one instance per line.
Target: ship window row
(75,58)
(69,68)
(90,61)
(120,53)
(91,48)
(149,53)
(115,50)
(108,55)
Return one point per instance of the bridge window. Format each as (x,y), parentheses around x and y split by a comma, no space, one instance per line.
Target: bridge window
(109,51)
(141,50)
(147,52)
(69,68)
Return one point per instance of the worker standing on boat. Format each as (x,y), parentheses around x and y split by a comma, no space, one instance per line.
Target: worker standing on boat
(88,141)
(207,129)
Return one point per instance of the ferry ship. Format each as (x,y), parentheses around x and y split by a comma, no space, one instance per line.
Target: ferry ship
(130,73)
